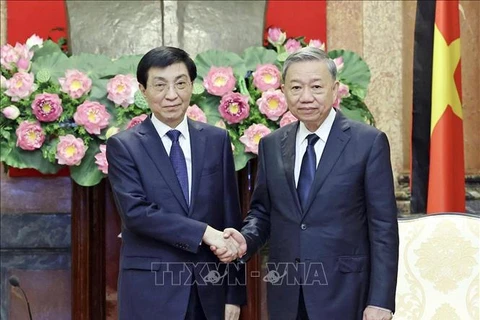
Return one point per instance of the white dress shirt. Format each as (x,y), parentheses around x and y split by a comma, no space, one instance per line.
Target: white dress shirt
(183,140)
(301,141)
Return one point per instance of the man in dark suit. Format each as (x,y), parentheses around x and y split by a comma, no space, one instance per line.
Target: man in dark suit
(174,184)
(324,198)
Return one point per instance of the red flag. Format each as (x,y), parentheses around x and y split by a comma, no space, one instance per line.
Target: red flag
(446,185)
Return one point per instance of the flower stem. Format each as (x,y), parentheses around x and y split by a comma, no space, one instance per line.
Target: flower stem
(242,86)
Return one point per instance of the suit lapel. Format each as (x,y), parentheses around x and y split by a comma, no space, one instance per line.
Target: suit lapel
(337,140)
(288,154)
(152,143)
(197,143)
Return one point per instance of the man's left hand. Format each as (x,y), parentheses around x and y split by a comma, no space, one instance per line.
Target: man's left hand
(376,314)
(232,312)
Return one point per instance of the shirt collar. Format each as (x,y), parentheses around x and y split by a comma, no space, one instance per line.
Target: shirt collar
(162,128)
(322,132)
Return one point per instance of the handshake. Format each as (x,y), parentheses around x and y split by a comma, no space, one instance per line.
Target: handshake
(227,245)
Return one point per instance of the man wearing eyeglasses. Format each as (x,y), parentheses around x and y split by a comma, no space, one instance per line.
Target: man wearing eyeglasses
(174,183)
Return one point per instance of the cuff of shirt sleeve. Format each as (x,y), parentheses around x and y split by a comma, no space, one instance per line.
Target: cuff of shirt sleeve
(380,308)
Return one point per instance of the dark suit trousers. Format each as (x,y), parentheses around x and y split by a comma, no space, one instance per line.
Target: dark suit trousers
(302,310)
(194,308)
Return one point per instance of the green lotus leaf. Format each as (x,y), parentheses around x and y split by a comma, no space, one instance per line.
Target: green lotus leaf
(19,158)
(93,65)
(198,88)
(240,156)
(55,64)
(209,104)
(205,60)
(49,47)
(87,173)
(123,65)
(355,71)
(255,56)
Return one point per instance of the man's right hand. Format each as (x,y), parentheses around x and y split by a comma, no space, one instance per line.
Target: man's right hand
(235,236)
(219,243)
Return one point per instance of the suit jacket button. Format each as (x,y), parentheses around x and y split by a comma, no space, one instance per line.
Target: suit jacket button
(303,226)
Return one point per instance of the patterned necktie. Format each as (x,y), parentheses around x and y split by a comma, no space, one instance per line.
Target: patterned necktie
(177,158)
(307,170)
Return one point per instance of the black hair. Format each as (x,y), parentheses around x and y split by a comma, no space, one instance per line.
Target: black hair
(162,57)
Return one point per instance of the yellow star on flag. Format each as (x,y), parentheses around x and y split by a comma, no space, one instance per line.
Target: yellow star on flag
(444,90)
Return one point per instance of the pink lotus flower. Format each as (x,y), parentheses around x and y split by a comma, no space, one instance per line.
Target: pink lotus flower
(317,44)
(111,131)
(267,77)
(234,107)
(251,137)
(17,57)
(336,103)
(339,63)
(197,114)
(3,82)
(11,112)
(30,135)
(287,119)
(343,92)
(75,83)
(20,86)
(23,64)
(70,150)
(272,104)
(219,81)
(101,159)
(276,36)
(136,120)
(220,124)
(93,116)
(8,57)
(121,89)
(34,40)
(292,46)
(47,107)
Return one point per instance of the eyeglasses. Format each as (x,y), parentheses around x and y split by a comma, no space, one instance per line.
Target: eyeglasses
(178,86)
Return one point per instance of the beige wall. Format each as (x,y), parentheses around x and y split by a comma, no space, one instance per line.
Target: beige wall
(3,22)
(374,32)
(470,37)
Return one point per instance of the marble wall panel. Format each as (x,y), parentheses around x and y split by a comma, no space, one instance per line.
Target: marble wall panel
(345,25)
(470,48)
(115,28)
(383,45)
(224,25)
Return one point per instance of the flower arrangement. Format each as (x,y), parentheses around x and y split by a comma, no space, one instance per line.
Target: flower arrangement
(59,110)
(242,92)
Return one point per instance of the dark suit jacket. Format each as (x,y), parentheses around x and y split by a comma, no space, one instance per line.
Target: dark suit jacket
(160,233)
(344,247)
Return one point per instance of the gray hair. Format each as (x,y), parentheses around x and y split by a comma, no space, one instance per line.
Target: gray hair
(310,54)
